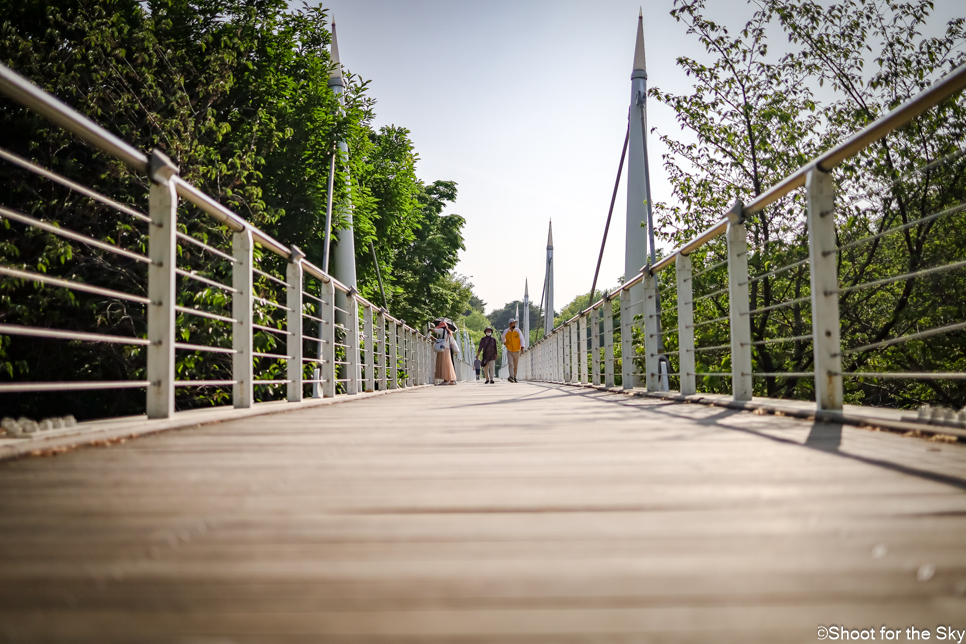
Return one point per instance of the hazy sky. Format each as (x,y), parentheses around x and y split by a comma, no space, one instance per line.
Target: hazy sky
(524,104)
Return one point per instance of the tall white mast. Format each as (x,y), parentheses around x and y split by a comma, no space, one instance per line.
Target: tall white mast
(640,228)
(548,322)
(344,253)
(525,322)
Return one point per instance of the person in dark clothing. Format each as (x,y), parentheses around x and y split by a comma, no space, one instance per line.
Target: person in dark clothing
(488,349)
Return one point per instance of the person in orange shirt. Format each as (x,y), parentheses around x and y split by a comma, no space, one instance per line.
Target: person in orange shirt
(514,342)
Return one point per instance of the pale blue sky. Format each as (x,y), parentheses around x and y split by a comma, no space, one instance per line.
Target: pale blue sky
(524,105)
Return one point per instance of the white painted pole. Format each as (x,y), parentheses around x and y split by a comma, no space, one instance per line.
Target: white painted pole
(353,384)
(393,355)
(651,339)
(381,340)
(827,347)
(370,337)
(628,307)
(741,380)
(344,254)
(327,333)
(638,204)
(571,342)
(293,325)
(582,348)
(162,249)
(526,311)
(548,317)
(595,345)
(682,264)
(608,344)
(241,309)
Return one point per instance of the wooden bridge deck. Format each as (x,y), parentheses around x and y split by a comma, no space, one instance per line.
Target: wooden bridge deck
(505,513)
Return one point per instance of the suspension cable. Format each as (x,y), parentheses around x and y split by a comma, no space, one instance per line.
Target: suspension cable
(610,212)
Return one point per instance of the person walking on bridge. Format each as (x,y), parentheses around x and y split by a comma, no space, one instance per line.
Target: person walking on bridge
(445,368)
(488,349)
(514,342)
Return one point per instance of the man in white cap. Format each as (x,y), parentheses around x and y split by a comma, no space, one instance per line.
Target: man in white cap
(514,342)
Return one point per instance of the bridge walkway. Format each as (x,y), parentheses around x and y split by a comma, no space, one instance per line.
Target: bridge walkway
(506,513)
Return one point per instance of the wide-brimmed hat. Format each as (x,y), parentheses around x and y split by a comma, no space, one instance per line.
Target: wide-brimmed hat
(489,328)
(445,321)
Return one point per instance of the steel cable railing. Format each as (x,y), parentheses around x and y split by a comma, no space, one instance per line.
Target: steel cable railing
(784,335)
(254,314)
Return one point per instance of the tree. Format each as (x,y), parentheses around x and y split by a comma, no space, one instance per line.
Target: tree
(236,92)
(755,119)
(500,318)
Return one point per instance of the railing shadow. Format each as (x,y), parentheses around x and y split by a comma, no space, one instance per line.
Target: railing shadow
(822,436)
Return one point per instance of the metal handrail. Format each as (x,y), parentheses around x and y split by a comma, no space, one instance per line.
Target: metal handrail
(404,354)
(942,89)
(555,355)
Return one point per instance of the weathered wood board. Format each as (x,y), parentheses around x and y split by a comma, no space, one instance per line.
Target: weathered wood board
(486,513)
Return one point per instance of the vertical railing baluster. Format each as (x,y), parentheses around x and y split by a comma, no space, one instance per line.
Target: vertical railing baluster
(737,237)
(241,309)
(352,350)
(293,324)
(381,341)
(573,358)
(393,354)
(582,341)
(608,343)
(564,334)
(627,339)
(826,344)
(370,349)
(682,266)
(404,354)
(162,249)
(327,334)
(595,345)
(651,340)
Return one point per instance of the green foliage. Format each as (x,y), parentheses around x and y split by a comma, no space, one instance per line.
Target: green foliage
(236,93)
(754,118)
(500,317)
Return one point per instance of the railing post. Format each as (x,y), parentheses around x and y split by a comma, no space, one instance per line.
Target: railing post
(162,247)
(327,351)
(571,339)
(582,341)
(564,352)
(352,344)
(737,236)
(381,340)
(595,345)
(393,355)
(608,343)
(370,339)
(404,354)
(826,343)
(241,310)
(652,378)
(628,379)
(410,359)
(293,324)
(682,266)
(423,359)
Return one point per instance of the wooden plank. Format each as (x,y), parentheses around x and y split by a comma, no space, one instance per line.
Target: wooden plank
(523,513)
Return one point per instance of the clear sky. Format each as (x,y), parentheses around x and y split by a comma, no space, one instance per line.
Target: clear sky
(524,104)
